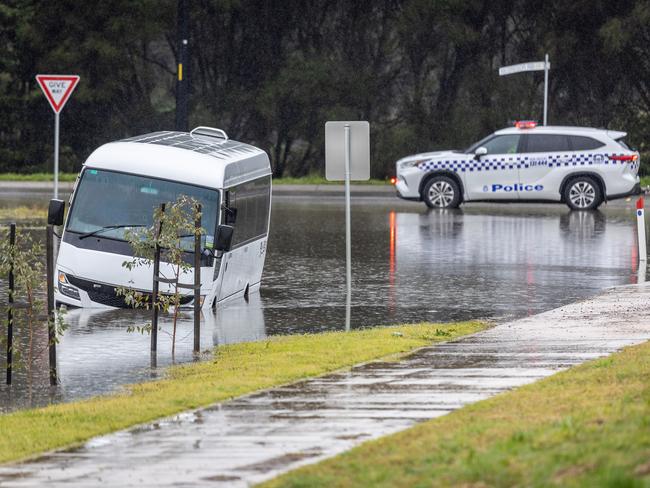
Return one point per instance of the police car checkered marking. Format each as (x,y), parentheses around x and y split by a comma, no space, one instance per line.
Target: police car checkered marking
(497,164)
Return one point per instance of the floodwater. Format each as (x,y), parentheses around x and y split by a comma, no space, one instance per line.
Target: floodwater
(410,264)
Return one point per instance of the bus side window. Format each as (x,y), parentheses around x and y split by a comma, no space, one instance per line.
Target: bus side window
(251,202)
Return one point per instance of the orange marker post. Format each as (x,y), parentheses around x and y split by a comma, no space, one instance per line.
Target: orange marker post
(640,221)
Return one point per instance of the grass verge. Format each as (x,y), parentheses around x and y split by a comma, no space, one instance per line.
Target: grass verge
(645,181)
(36,176)
(587,426)
(237,369)
(22,213)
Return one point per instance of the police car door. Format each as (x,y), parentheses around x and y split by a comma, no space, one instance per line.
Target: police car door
(542,153)
(495,175)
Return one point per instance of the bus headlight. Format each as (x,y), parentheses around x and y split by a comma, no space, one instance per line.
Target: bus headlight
(69,291)
(65,288)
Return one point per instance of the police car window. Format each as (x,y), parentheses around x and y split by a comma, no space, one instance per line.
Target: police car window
(547,143)
(582,143)
(502,144)
(624,144)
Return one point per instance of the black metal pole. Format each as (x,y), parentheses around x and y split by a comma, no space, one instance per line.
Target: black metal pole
(197,280)
(10,311)
(154,286)
(182,82)
(51,324)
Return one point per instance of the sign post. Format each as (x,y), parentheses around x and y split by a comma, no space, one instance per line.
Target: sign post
(57,90)
(534,66)
(347,157)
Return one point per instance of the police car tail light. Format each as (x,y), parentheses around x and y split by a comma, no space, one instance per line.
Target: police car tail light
(525,124)
(630,158)
(393,180)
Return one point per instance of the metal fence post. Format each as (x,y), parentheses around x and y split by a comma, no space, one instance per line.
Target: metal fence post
(197,280)
(154,286)
(51,324)
(10,311)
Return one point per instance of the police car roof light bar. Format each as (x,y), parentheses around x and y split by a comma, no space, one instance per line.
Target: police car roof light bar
(525,124)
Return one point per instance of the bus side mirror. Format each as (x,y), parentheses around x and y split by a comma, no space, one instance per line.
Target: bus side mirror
(223,240)
(55,212)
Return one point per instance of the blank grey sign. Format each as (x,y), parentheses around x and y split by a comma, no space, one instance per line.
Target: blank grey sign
(335,150)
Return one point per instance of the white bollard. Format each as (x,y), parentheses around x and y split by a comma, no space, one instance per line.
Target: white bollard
(640,225)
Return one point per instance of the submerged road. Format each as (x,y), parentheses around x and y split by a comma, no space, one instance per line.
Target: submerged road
(259,436)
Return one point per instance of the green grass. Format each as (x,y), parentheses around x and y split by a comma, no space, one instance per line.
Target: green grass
(22,213)
(36,176)
(588,426)
(237,369)
(645,181)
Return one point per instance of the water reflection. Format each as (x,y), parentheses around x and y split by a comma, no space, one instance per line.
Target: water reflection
(96,353)
(409,265)
(239,321)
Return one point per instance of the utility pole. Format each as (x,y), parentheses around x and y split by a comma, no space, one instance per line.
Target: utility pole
(182,82)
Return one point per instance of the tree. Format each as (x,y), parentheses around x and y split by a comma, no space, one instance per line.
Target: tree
(176,239)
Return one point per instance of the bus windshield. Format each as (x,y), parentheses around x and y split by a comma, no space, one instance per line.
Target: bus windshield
(107,203)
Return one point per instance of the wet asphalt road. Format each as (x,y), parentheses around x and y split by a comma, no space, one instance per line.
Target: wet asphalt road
(259,436)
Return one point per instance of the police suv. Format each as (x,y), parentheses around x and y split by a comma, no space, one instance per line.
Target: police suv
(579,166)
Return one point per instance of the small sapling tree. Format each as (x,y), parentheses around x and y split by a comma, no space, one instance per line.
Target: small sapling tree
(176,240)
(29,308)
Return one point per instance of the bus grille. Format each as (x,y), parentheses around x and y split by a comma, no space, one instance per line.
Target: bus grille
(105,294)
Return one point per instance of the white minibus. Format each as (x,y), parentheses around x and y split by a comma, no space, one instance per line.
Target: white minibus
(120,185)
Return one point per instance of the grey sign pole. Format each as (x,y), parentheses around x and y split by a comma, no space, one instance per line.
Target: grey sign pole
(348,230)
(347,158)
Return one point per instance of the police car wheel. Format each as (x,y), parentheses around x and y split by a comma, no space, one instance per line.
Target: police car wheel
(441,192)
(582,193)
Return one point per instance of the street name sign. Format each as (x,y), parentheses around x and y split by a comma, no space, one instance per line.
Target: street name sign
(518,68)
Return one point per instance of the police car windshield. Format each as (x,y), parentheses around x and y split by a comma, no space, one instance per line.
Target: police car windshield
(476,145)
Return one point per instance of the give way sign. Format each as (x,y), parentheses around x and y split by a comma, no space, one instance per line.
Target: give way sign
(57,89)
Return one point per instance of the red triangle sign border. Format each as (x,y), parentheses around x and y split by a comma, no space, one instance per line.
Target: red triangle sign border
(42,79)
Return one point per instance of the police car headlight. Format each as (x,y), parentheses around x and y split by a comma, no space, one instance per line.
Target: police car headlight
(410,164)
